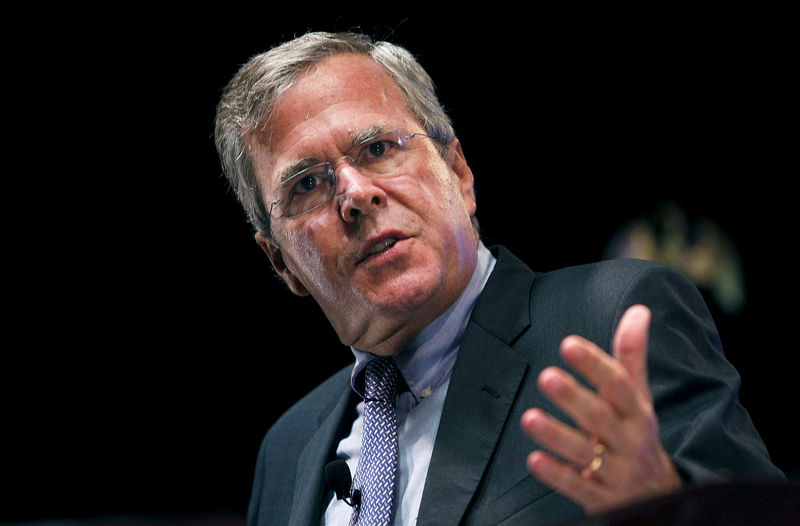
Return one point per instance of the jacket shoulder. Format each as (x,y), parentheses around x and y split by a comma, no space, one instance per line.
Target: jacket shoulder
(589,300)
(276,473)
(611,273)
(303,416)
(609,286)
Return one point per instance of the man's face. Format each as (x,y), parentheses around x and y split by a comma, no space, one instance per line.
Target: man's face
(375,301)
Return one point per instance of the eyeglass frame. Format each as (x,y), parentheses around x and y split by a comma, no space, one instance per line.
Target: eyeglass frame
(330,172)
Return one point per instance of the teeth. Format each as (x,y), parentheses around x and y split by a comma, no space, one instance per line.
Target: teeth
(383,245)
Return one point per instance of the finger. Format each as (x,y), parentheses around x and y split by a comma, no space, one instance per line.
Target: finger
(630,344)
(590,411)
(603,371)
(567,442)
(574,447)
(613,468)
(565,480)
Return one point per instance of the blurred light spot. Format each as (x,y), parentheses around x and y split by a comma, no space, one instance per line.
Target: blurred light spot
(699,249)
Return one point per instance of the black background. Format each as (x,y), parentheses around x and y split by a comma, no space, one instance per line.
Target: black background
(148,345)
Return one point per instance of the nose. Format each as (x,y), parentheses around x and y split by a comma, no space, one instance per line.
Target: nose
(358,193)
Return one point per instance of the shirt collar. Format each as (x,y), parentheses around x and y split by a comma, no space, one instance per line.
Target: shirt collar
(427,360)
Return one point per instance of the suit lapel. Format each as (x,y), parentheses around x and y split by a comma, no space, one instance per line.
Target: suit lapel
(309,493)
(483,387)
(470,426)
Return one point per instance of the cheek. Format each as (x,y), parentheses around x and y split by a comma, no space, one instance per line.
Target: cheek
(442,191)
(442,181)
(306,244)
(422,189)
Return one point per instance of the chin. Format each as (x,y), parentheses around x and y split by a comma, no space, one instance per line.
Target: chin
(406,293)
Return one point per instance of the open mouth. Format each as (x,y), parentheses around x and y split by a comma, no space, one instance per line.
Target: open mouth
(381,246)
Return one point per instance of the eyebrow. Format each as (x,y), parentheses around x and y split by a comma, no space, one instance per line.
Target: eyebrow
(359,137)
(295,167)
(356,138)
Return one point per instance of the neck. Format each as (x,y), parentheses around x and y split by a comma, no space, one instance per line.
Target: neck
(386,336)
(389,334)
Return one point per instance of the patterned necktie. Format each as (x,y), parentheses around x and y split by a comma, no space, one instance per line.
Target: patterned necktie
(377,466)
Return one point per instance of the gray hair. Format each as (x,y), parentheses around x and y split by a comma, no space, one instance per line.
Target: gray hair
(252,94)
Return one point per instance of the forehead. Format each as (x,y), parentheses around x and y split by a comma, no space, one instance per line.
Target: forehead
(326,104)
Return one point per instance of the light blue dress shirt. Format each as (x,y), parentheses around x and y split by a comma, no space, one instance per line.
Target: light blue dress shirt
(425,364)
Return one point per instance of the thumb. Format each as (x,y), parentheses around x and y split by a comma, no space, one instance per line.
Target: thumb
(630,344)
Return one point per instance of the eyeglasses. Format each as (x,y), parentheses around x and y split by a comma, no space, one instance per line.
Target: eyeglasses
(382,155)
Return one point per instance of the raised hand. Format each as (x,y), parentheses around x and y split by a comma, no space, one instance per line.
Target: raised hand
(614,455)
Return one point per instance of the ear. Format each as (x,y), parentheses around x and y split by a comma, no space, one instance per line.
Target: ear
(458,163)
(275,256)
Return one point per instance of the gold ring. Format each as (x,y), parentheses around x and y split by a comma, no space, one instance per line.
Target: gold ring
(597,461)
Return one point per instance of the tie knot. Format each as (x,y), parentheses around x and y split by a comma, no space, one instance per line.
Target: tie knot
(380,380)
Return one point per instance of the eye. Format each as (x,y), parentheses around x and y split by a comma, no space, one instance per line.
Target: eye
(306,183)
(378,148)
(378,151)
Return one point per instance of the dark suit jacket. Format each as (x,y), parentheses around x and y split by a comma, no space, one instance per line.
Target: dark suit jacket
(477,473)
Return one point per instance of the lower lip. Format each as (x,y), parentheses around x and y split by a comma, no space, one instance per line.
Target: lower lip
(385,256)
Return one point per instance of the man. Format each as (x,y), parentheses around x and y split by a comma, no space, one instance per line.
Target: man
(361,197)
